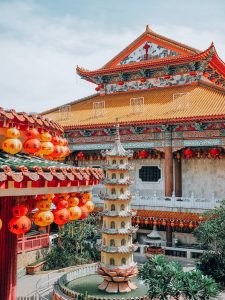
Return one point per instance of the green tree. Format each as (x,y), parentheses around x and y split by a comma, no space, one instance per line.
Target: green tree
(211,235)
(75,245)
(166,280)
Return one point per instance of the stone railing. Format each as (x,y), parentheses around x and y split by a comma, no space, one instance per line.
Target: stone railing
(192,203)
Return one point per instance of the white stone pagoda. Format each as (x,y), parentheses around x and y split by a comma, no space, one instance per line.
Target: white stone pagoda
(117,266)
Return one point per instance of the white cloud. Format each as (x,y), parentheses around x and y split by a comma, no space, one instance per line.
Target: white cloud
(39,53)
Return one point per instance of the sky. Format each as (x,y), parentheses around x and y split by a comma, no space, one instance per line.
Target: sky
(42,41)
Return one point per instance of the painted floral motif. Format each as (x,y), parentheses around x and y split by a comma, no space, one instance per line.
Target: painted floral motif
(151,83)
(154,51)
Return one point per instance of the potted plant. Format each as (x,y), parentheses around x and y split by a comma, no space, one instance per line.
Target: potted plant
(35,266)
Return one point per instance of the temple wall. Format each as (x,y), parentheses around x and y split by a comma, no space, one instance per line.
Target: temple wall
(204,177)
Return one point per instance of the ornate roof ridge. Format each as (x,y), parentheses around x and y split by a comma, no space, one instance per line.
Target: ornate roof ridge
(149,32)
(149,63)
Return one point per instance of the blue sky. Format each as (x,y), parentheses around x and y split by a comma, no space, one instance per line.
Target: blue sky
(41,42)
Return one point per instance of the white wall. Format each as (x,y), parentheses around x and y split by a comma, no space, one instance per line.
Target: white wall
(203,177)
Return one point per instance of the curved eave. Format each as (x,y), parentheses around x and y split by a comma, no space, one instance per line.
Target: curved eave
(147,64)
(26,120)
(217,64)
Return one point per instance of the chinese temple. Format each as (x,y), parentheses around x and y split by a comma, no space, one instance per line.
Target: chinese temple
(117,266)
(169,99)
(28,181)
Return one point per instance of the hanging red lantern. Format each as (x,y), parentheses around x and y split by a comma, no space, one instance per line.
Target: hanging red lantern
(12,144)
(80,155)
(84,212)
(62,203)
(97,88)
(61,216)
(181,224)
(19,225)
(32,133)
(192,73)
(47,148)
(120,82)
(214,153)
(143,154)
(206,74)
(163,222)
(146,221)
(75,213)
(55,140)
(213,79)
(90,206)
(73,201)
(19,210)
(172,224)
(143,80)
(43,218)
(167,76)
(45,137)
(190,225)
(188,153)
(32,146)
(44,205)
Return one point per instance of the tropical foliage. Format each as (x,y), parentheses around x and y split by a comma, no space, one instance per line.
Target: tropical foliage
(166,280)
(211,235)
(75,245)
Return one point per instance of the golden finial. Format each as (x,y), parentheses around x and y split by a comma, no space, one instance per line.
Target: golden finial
(148,29)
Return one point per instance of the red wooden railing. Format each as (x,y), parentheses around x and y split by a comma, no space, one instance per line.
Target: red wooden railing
(28,243)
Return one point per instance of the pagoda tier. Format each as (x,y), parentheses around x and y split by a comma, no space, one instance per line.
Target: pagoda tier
(156,61)
(116,246)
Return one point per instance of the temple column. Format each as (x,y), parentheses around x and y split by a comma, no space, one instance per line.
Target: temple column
(169,236)
(178,177)
(8,252)
(168,162)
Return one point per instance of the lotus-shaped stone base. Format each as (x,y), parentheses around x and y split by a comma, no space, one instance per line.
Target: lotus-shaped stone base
(117,280)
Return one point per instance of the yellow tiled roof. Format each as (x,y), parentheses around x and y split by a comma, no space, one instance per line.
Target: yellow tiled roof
(160,105)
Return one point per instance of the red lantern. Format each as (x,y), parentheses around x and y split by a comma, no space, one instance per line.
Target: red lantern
(12,133)
(143,80)
(45,137)
(214,152)
(143,154)
(206,74)
(47,148)
(62,204)
(19,210)
(120,82)
(97,88)
(90,206)
(188,153)
(32,145)
(43,218)
(32,133)
(19,225)
(192,73)
(55,140)
(44,205)
(167,76)
(75,213)
(73,201)
(213,79)
(84,212)
(80,155)
(61,216)
(181,224)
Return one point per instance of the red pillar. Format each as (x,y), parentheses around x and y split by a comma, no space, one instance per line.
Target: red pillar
(178,177)
(8,252)
(168,174)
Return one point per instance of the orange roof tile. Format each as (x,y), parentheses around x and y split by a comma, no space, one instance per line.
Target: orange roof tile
(168,215)
(197,101)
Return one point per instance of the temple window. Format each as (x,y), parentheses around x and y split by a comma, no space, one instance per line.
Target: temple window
(150,173)
(113,207)
(137,105)
(123,261)
(114,162)
(112,243)
(121,176)
(123,224)
(121,191)
(121,162)
(113,175)
(122,207)
(112,261)
(112,225)
(123,242)
(113,191)
(99,108)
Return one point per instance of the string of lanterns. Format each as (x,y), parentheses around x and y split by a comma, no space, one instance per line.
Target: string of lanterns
(40,144)
(69,207)
(213,153)
(166,223)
